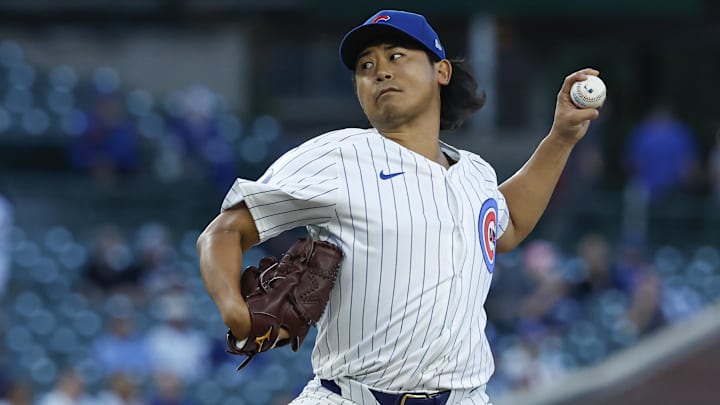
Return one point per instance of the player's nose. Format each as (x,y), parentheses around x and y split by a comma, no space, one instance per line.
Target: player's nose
(383,71)
(382,75)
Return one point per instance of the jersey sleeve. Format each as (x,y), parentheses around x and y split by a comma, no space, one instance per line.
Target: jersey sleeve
(489,174)
(299,189)
(503,212)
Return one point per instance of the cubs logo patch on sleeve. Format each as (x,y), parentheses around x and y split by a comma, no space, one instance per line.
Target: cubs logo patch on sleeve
(487,229)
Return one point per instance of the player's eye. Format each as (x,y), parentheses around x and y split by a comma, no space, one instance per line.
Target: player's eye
(365,65)
(396,55)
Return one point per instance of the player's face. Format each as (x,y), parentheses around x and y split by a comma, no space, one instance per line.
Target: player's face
(396,84)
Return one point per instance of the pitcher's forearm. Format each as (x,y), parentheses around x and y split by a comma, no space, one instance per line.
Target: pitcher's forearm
(220,256)
(528,191)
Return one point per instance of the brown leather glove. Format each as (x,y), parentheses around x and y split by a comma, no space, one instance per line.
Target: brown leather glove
(290,294)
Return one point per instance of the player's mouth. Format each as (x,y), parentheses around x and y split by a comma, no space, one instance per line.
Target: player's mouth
(386,90)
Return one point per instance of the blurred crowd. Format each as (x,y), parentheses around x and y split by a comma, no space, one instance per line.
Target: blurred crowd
(554,311)
(193,137)
(112,132)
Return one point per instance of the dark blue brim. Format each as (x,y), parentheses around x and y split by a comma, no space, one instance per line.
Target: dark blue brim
(356,40)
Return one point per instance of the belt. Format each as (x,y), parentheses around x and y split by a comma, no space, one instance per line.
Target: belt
(402,398)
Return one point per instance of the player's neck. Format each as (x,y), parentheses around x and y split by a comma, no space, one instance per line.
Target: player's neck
(421,141)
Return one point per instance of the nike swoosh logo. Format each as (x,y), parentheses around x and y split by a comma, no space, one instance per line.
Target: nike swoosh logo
(389,175)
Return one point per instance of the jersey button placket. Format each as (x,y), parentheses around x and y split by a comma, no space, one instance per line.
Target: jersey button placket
(458,234)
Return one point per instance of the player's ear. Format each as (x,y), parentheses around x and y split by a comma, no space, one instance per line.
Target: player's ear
(444,72)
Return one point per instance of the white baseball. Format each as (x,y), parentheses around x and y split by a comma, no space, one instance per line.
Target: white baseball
(588,93)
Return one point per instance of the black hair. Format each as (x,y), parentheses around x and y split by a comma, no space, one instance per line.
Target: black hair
(459,99)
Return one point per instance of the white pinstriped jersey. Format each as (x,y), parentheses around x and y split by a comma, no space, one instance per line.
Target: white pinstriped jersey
(406,313)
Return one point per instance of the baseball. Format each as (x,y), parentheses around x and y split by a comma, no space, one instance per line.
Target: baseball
(588,93)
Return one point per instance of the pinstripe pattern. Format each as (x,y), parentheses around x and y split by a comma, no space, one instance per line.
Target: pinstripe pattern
(407,310)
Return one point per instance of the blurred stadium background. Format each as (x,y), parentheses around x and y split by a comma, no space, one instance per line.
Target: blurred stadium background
(122,124)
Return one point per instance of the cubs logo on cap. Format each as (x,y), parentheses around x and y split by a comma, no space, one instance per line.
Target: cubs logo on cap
(389,23)
(487,228)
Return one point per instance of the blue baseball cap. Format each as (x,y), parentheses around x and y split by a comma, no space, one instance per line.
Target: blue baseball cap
(390,22)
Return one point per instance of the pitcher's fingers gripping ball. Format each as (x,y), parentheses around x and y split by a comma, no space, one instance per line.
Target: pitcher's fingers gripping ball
(290,294)
(588,93)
